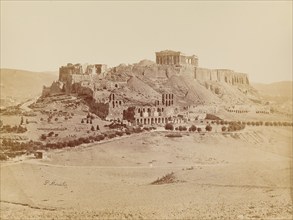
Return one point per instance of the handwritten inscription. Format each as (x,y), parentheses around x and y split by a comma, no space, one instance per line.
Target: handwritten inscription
(55,183)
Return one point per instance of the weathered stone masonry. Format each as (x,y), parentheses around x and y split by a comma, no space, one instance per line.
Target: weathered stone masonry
(187,64)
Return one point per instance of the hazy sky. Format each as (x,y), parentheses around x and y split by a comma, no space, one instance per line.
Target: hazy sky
(250,37)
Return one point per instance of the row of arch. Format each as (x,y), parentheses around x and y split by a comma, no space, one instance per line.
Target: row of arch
(262,112)
(238,111)
(167,96)
(116,103)
(139,110)
(246,111)
(151,120)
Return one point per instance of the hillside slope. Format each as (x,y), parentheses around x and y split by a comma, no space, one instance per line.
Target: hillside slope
(19,85)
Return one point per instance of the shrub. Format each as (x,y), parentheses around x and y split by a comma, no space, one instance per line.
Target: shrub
(110,136)
(3,157)
(224,128)
(72,144)
(173,135)
(119,133)
(192,128)
(138,130)
(198,129)
(169,126)
(50,134)
(208,128)
(43,137)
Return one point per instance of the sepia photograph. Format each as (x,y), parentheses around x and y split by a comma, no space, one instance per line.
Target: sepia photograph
(146,110)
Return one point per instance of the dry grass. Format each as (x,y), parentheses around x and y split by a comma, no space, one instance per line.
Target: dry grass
(167,179)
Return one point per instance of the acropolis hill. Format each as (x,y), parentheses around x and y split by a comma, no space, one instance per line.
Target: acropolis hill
(146,82)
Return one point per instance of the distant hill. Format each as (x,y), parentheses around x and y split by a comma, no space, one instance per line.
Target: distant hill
(19,85)
(278,93)
(277,89)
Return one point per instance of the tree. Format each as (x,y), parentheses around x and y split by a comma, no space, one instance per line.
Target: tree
(169,126)
(208,128)
(43,137)
(26,121)
(98,128)
(92,128)
(50,133)
(82,121)
(198,129)
(192,128)
(21,120)
(224,128)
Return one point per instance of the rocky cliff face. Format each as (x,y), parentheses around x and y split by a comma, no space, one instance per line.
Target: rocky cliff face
(145,81)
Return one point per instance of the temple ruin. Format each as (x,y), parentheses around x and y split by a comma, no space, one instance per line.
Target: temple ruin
(170,57)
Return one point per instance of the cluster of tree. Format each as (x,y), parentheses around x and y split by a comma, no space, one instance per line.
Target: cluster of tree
(116,125)
(14,129)
(254,123)
(181,128)
(193,128)
(50,134)
(278,123)
(11,145)
(235,126)
(212,117)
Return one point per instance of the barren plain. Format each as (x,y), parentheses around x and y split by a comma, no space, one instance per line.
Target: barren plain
(240,175)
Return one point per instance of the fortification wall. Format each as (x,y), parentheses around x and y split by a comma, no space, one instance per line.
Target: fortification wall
(220,75)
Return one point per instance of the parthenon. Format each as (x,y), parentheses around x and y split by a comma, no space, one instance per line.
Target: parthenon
(171,57)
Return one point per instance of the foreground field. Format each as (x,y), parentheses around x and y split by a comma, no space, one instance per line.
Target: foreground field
(214,176)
